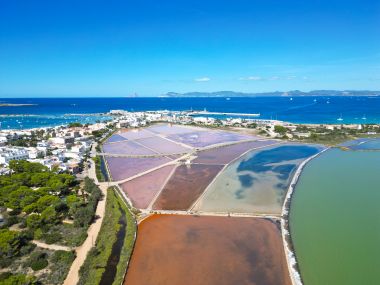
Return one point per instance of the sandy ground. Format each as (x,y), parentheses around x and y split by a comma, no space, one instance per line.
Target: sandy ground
(51,246)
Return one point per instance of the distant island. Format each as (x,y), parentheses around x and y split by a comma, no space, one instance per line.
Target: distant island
(15,105)
(292,93)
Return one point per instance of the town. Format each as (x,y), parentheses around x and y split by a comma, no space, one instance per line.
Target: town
(66,148)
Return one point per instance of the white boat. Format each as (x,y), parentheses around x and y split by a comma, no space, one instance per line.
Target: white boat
(364,118)
(340,118)
(315,100)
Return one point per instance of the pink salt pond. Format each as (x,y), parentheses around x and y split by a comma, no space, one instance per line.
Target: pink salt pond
(163,146)
(206,138)
(143,189)
(127,148)
(167,129)
(225,154)
(122,168)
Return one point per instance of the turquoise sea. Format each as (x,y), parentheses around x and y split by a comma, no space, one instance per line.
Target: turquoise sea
(307,109)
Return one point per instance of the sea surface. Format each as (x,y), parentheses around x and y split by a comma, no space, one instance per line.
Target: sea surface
(318,110)
(334,219)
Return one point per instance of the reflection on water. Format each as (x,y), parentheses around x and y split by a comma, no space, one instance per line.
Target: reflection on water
(257,182)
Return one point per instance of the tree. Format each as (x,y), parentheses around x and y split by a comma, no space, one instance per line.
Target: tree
(49,216)
(83,216)
(19,166)
(33,221)
(10,243)
(280,129)
(75,125)
(46,201)
(21,198)
(40,179)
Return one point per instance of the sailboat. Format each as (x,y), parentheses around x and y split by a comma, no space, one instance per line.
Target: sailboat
(340,118)
(364,117)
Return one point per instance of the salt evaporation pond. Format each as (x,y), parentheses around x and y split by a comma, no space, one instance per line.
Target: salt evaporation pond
(185,185)
(335,219)
(257,182)
(179,249)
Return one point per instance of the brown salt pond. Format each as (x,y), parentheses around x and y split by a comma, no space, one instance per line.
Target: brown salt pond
(225,154)
(184,187)
(175,249)
(142,190)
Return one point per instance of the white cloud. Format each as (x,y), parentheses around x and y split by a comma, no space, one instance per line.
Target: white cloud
(252,78)
(274,78)
(202,79)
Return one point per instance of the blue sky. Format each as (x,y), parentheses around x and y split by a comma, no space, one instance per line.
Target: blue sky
(118,48)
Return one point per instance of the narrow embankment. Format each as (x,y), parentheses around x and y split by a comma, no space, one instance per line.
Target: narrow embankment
(286,238)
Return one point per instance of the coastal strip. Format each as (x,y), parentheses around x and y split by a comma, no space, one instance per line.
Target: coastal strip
(194,113)
(291,258)
(16,105)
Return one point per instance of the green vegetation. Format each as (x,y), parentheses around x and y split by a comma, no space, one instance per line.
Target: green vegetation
(280,129)
(75,125)
(37,202)
(328,135)
(37,261)
(93,268)
(60,262)
(29,141)
(7,278)
(98,169)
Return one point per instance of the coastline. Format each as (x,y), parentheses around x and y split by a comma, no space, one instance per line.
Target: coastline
(16,105)
(291,257)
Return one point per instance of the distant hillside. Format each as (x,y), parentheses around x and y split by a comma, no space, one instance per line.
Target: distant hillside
(292,93)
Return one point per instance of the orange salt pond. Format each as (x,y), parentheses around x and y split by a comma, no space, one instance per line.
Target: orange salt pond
(175,249)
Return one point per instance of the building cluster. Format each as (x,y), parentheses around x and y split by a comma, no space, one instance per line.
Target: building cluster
(127,119)
(63,147)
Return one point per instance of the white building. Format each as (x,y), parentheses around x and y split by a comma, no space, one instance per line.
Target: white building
(8,154)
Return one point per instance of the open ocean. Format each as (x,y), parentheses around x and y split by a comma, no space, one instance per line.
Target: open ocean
(317,110)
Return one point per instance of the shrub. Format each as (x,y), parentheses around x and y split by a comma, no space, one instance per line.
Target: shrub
(52,237)
(37,261)
(8,278)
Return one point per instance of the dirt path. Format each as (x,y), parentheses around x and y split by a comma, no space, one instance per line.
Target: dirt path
(92,233)
(51,246)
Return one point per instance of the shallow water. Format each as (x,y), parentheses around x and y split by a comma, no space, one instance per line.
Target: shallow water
(111,267)
(334,219)
(257,182)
